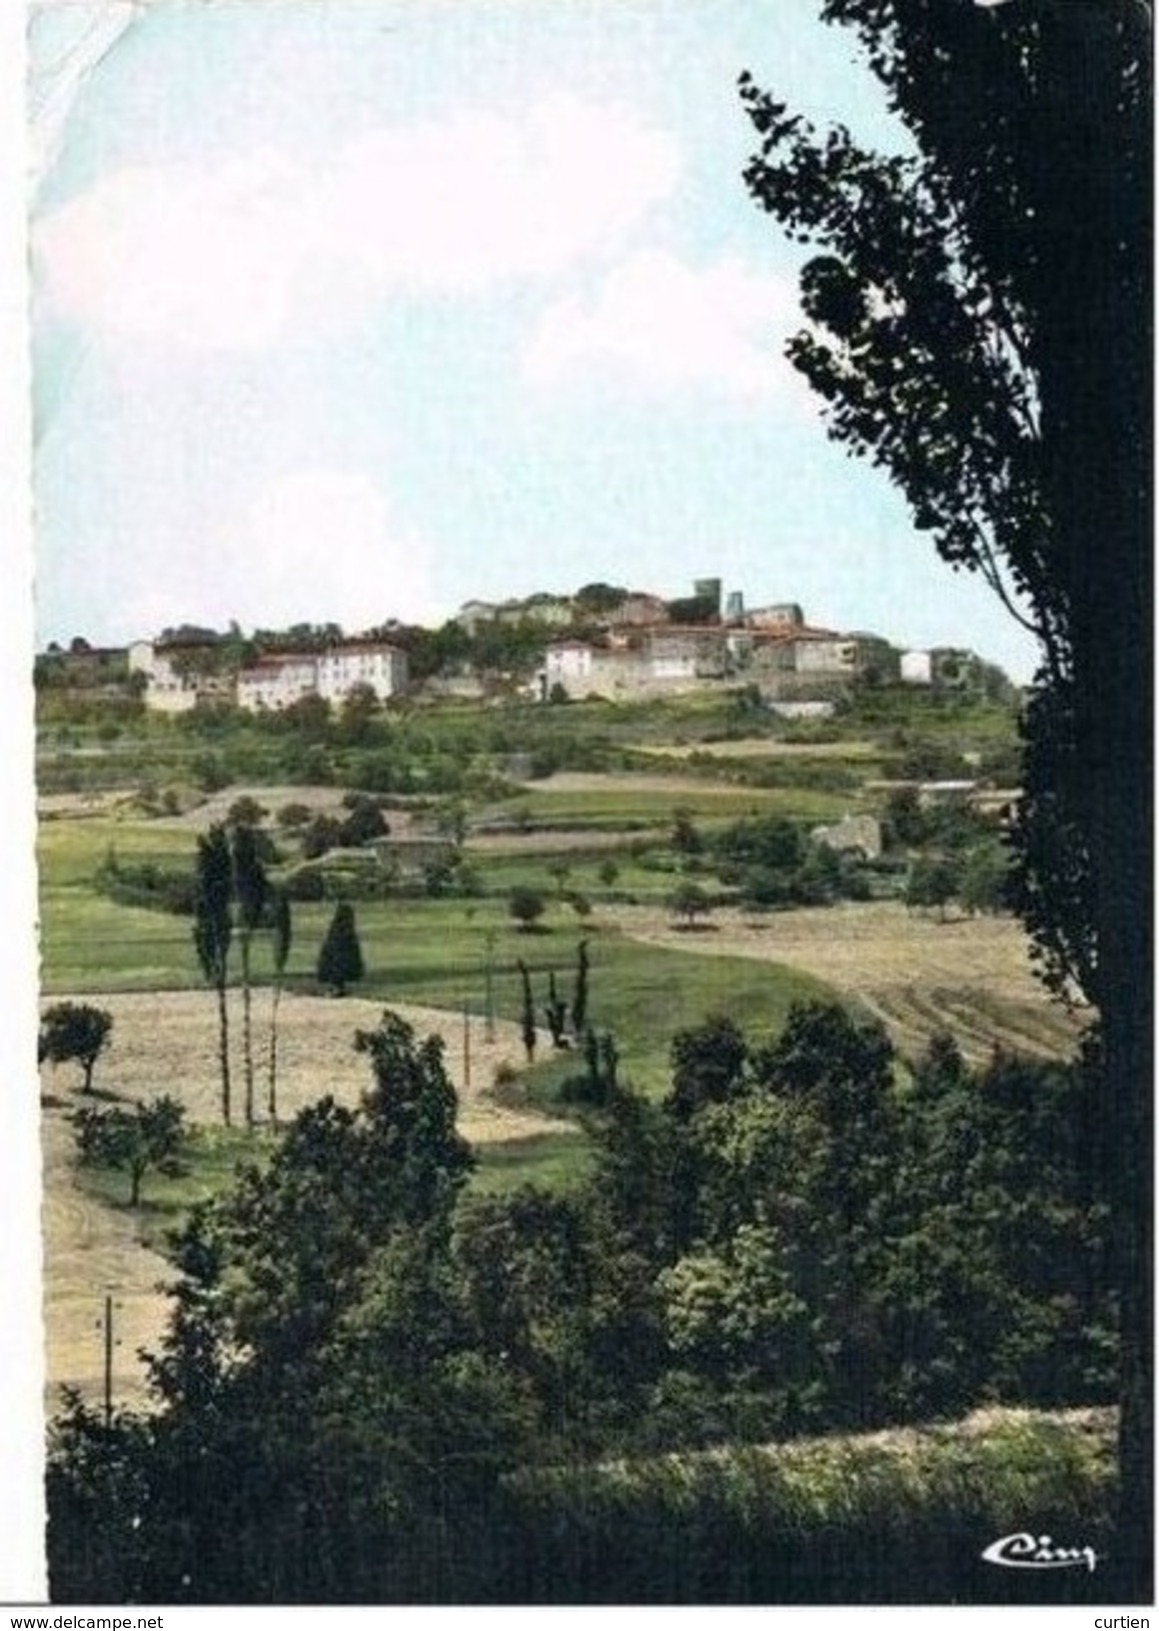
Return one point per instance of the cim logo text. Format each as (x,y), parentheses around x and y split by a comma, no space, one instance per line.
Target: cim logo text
(1027,1551)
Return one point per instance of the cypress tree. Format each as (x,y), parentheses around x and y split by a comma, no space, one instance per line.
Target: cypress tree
(579,1001)
(340,960)
(528,1016)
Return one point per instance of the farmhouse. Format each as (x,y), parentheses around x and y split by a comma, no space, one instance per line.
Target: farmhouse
(178,673)
(373,663)
(945,668)
(787,615)
(803,662)
(554,610)
(275,682)
(473,612)
(654,660)
(407,857)
(278,681)
(858,835)
(687,653)
(636,611)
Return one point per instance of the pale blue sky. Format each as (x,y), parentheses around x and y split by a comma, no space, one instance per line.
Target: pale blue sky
(361,309)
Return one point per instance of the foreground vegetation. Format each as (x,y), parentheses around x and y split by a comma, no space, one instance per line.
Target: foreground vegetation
(372,1369)
(552,1369)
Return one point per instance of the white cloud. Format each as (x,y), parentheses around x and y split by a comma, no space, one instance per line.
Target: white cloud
(204,260)
(658,323)
(320,545)
(315,545)
(238,256)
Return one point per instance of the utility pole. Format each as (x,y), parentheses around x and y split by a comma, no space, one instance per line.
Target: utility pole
(466,1045)
(110,1343)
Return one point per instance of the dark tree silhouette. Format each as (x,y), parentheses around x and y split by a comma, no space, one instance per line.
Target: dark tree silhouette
(282,930)
(75,1030)
(527,1016)
(981,331)
(579,1001)
(251,891)
(212,935)
(340,958)
(526,906)
(555,1012)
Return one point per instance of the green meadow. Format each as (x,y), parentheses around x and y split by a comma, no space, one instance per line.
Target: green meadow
(444,953)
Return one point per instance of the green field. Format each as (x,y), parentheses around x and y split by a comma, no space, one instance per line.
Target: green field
(624,806)
(432,952)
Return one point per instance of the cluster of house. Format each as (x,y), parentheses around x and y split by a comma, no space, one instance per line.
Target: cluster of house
(630,645)
(179,674)
(789,661)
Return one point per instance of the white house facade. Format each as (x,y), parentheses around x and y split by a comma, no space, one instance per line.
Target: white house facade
(279,680)
(168,690)
(272,683)
(375,664)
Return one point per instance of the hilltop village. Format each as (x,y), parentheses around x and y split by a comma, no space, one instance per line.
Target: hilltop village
(602,641)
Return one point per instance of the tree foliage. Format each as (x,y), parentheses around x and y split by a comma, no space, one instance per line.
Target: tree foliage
(946,339)
(150,1136)
(213,936)
(689,902)
(282,936)
(251,893)
(979,317)
(340,962)
(75,1030)
(361,1352)
(526,906)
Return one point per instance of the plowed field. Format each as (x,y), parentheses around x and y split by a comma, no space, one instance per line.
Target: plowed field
(972,977)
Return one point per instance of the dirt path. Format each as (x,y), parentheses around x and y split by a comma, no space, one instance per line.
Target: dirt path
(970,976)
(166,1042)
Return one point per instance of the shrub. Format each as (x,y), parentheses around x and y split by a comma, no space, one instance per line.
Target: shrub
(526,906)
(305,884)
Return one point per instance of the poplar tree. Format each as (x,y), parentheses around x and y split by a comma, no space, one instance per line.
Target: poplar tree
(282,930)
(251,891)
(212,934)
(980,325)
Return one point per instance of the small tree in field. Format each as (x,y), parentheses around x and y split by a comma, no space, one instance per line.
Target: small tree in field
(685,836)
(688,903)
(932,881)
(340,959)
(75,1030)
(149,1135)
(526,906)
(561,872)
(986,884)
